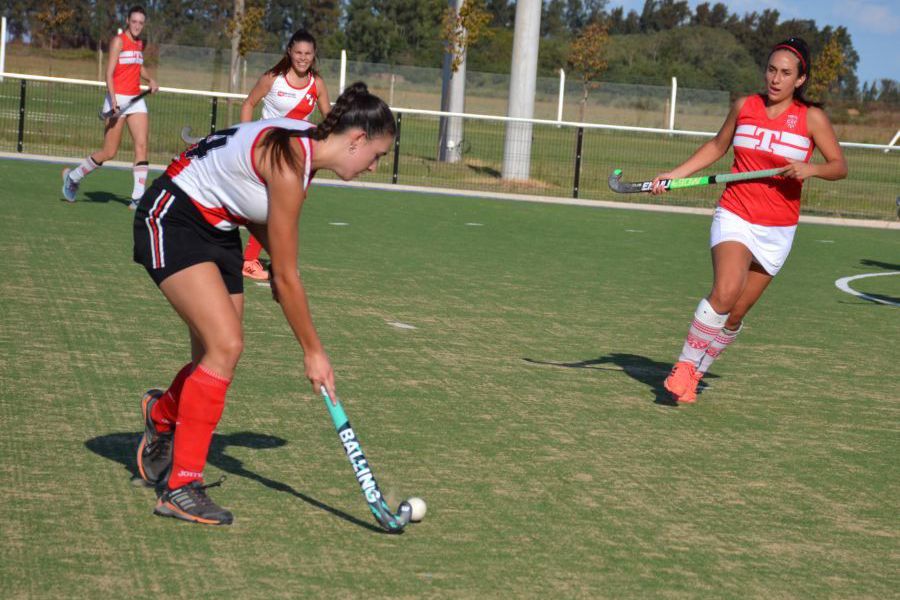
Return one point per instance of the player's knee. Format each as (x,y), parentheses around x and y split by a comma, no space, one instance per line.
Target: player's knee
(231,348)
(724,297)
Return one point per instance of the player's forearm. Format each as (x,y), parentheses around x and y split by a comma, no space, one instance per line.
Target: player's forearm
(295,306)
(246,112)
(705,155)
(831,170)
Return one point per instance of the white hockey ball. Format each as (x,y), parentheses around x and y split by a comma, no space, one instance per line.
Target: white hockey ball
(418,509)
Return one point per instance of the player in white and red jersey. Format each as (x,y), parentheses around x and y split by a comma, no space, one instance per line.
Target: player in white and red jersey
(185,235)
(754,223)
(124,72)
(291,89)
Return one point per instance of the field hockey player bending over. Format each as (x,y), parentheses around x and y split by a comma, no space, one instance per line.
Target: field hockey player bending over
(185,234)
(754,223)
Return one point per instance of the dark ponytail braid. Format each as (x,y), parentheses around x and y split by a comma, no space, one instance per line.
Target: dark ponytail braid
(355,108)
(359,109)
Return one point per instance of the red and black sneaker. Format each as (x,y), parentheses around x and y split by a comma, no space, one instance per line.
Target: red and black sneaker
(191,503)
(154,453)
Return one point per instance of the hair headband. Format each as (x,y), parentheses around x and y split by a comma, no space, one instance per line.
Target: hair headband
(795,51)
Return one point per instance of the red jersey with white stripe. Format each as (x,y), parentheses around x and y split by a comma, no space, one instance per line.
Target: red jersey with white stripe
(764,143)
(220,173)
(127,72)
(285,100)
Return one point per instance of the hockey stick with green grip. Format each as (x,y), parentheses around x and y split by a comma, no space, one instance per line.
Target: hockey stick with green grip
(622,187)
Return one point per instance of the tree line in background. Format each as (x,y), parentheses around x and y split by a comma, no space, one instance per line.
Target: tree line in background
(707,47)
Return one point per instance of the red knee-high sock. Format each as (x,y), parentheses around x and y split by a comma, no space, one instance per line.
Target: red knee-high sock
(199,411)
(165,411)
(253,249)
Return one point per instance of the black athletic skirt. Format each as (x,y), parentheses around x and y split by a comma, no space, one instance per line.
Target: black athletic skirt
(171,235)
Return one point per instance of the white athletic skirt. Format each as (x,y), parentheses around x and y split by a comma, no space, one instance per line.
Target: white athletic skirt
(138,107)
(769,245)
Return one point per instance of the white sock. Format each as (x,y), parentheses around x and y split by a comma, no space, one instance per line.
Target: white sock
(717,347)
(707,324)
(139,171)
(85,167)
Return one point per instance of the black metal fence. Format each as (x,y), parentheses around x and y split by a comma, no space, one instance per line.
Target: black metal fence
(58,118)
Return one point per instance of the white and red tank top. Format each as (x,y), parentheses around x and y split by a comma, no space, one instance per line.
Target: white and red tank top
(127,72)
(220,176)
(285,100)
(764,143)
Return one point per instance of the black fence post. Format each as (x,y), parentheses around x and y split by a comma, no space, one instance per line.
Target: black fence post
(577,181)
(397,149)
(21,142)
(212,114)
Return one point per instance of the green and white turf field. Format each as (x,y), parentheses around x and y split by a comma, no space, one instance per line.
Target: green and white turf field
(525,407)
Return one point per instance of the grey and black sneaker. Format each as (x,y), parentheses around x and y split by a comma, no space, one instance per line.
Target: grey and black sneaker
(69,188)
(135,202)
(154,453)
(190,503)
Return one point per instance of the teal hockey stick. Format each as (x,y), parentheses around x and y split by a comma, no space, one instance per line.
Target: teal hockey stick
(391,522)
(617,185)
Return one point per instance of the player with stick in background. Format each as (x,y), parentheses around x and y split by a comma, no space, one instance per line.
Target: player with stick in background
(290,89)
(755,221)
(185,234)
(124,72)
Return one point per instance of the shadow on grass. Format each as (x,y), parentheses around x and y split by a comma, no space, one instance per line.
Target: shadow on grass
(122,447)
(640,368)
(485,170)
(878,263)
(104,198)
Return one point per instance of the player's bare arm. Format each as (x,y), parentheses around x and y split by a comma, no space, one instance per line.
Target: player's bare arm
(822,132)
(706,154)
(286,197)
(262,87)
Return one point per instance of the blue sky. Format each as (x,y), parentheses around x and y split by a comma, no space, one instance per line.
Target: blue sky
(874,26)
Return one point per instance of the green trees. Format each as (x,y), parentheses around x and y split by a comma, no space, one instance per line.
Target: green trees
(707,47)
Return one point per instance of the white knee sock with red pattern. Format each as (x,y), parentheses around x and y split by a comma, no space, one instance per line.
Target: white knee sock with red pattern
(704,328)
(717,347)
(86,166)
(139,171)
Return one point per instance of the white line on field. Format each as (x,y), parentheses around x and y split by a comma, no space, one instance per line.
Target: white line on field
(486,195)
(400,325)
(843,284)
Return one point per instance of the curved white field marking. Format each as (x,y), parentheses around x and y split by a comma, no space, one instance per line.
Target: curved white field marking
(400,325)
(634,231)
(263,283)
(825,241)
(843,284)
(339,224)
(475,224)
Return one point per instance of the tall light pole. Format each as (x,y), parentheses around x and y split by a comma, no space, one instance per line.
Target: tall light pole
(453,98)
(522,82)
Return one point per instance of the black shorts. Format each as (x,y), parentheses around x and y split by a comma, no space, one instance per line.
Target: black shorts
(171,235)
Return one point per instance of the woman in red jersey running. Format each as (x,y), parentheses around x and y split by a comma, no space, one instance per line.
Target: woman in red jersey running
(292,89)
(754,223)
(185,235)
(124,72)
